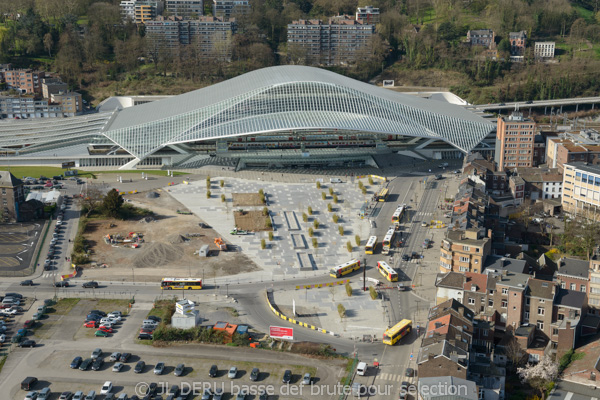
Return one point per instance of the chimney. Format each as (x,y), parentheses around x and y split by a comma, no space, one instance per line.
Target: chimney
(489,233)
(461,310)
(430,357)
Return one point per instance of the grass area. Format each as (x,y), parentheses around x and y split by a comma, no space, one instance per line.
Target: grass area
(158,172)
(49,172)
(2,362)
(232,311)
(584,13)
(63,306)
(83,20)
(109,305)
(163,309)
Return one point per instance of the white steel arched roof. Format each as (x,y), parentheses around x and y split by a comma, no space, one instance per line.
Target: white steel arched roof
(290,98)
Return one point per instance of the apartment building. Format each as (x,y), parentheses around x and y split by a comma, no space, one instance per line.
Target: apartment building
(495,181)
(230,8)
(140,11)
(561,151)
(19,107)
(25,80)
(12,196)
(581,189)
(539,298)
(514,141)
(188,9)
(464,250)
(518,42)
(367,15)
(442,357)
(541,183)
(573,274)
(52,86)
(70,102)
(506,298)
(481,37)
(594,286)
(339,41)
(211,35)
(516,185)
(543,50)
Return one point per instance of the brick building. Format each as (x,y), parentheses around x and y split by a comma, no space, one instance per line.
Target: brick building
(518,42)
(464,250)
(481,37)
(541,183)
(573,274)
(514,144)
(70,102)
(26,80)
(12,195)
(561,151)
(52,86)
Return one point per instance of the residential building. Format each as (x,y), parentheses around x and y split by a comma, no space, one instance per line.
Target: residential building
(518,41)
(573,274)
(367,15)
(517,188)
(71,103)
(188,9)
(340,41)
(583,146)
(495,181)
(506,299)
(481,37)
(230,8)
(581,189)
(140,11)
(539,297)
(543,50)
(541,183)
(539,150)
(52,86)
(12,196)
(464,250)
(26,80)
(23,107)
(570,309)
(212,36)
(453,388)
(514,144)
(442,358)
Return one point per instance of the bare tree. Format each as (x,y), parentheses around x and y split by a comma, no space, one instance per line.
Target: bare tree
(92,201)
(514,353)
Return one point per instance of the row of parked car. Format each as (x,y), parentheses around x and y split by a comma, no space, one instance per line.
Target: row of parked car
(102,322)
(148,327)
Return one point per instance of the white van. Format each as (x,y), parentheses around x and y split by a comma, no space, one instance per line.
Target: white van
(361,369)
(335,180)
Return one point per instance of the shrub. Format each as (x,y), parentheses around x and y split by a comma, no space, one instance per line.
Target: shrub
(316,224)
(268,223)
(370,181)
(265,211)
(315,243)
(208,194)
(348,289)
(330,191)
(208,182)
(262,197)
(341,230)
(263,244)
(318,185)
(311,233)
(323,196)
(223,198)
(360,185)
(335,218)
(310,210)
(341,310)
(349,247)
(364,190)
(222,183)
(304,217)
(373,293)
(271,236)
(357,240)
(335,198)
(329,207)
(261,192)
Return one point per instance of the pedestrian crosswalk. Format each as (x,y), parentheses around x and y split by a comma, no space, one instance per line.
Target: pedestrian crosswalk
(48,275)
(389,377)
(423,214)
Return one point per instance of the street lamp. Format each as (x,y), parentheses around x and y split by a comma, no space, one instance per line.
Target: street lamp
(133,274)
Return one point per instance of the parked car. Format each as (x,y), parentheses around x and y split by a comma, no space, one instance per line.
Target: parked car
(27,343)
(114,356)
(145,336)
(254,374)
(287,376)
(66,396)
(405,257)
(86,364)
(139,367)
(218,394)
(409,372)
(306,379)
(76,362)
(213,371)
(154,318)
(179,369)
(117,367)
(97,364)
(241,395)
(106,329)
(124,357)
(91,395)
(44,394)
(78,395)
(31,395)
(206,393)
(159,368)
(106,388)
(232,373)
(101,333)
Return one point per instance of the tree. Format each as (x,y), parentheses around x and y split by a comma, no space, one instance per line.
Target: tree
(112,203)
(92,201)
(539,375)
(514,353)
(48,43)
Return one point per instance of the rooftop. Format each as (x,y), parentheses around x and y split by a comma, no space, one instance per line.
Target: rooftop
(9,180)
(445,349)
(467,389)
(496,262)
(574,267)
(591,168)
(477,281)
(450,279)
(541,289)
(570,298)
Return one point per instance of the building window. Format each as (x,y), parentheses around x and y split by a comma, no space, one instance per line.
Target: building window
(540,325)
(526,316)
(541,310)
(573,286)
(504,303)
(464,259)
(563,285)
(466,248)
(561,317)
(527,300)
(491,302)
(554,331)
(504,290)
(582,288)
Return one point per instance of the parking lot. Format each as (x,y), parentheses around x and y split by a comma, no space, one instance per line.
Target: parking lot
(17,246)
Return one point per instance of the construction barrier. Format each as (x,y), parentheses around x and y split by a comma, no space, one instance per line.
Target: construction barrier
(71,275)
(276,311)
(322,285)
(437,224)
(132,192)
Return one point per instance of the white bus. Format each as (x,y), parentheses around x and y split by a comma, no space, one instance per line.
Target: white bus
(387,241)
(345,268)
(371,245)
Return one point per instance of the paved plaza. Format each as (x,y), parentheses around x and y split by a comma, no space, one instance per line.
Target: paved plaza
(281,257)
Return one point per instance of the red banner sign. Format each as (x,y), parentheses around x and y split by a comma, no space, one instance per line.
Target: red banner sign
(281,332)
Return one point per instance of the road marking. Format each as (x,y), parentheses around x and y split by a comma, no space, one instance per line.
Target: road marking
(568,396)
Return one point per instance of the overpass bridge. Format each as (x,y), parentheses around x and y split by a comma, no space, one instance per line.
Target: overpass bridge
(555,105)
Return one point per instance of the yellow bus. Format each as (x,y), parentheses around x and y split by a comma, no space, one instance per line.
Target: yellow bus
(397,332)
(387,271)
(387,241)
(382,195)
(398,214)
(181,283)
(345,268)
(371,245)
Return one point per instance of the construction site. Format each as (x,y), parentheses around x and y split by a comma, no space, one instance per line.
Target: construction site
(172,242)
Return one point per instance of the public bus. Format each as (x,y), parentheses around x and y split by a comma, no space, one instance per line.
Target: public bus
(382,195)
(397,332)
(371,245)
(387,241)
(181,283)
(398,214)
(387,271)
(345,268)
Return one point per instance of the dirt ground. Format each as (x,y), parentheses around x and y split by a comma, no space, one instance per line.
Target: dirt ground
(170,241)
(251,221)
(246,199)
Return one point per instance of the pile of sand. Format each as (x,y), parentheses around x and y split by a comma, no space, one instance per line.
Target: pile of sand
(176,239)
(157,255)
(152,195)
